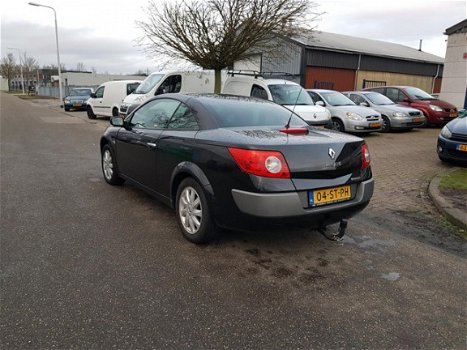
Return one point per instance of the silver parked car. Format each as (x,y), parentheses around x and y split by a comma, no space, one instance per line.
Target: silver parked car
(346,115)
(394,116)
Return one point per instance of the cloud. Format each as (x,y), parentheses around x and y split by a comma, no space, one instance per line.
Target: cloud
(106,54)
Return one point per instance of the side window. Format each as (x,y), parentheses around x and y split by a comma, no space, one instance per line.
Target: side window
(183,118)
(259,92)
(380,90)
(171,84)
(100,92)
(131,87)
(395,95)
(155,114)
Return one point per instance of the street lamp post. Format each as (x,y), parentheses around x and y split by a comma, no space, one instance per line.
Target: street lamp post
(20,65)
(58,54)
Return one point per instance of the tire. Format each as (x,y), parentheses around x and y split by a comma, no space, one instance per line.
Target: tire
(337,125)
(109,168)
(193,214)
(91,114)
(115,112)
(67,109)
(386,124)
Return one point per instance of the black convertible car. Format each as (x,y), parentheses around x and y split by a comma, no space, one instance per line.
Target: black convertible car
(235,162)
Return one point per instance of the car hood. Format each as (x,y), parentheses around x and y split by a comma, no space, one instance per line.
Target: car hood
(363,111)
(81,98)
(308,112)
(436,102)
(458,126)
(394,108)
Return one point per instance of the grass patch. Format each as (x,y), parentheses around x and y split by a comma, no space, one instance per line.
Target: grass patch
(455,180)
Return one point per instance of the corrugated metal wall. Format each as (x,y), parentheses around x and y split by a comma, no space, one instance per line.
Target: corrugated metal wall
(329,78)
(289,60)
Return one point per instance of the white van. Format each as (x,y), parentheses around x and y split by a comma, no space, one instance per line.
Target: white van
(108,97)
(284,92)
(169,82)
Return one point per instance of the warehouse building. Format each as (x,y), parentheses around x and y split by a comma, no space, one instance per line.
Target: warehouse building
(454,85)
(341,62)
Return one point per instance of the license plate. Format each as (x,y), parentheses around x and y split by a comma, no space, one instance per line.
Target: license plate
(329,195)
(417,120)
(77,104)
(375,125)
(461,147)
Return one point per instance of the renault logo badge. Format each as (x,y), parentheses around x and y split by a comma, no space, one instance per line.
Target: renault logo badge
(331,153)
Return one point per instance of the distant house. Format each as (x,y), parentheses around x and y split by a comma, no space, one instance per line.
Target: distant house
(342,62)
(3,84)
(454,86)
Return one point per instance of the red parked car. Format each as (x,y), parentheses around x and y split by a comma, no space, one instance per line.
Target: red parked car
(437,112)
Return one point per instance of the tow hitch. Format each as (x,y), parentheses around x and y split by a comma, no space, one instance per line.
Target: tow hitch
(337,236)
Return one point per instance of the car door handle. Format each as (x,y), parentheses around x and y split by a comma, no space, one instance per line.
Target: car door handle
(151,144)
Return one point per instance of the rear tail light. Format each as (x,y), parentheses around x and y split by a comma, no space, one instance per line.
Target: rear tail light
(261,163)
(366,159)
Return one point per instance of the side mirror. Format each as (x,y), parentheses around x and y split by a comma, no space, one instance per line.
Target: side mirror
(116,121)
(93,95)
(320,103)
(364,104)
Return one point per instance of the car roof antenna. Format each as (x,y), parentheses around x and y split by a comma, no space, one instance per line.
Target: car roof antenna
(293,109)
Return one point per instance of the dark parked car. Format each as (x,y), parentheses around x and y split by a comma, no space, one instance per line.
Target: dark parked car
(77,99)
(452,141)
(437,112)
(237,162)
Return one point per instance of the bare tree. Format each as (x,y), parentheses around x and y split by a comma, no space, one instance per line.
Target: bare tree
(80,67)
(30,67)
(213,34)
(8,68)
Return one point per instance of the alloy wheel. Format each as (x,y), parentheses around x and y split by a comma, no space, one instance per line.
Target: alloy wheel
(190,210)
(107,164)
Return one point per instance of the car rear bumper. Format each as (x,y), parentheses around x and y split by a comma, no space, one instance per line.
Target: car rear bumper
(291,204)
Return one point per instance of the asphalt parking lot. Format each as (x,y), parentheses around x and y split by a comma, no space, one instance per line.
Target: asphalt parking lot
(89,266)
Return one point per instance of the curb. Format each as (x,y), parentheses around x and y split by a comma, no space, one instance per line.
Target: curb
(454,215)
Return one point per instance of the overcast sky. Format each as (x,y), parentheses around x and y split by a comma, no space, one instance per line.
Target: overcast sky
(102,34)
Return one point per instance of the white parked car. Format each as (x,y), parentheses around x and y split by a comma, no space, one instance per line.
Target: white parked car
(284,92)
(158,83)
(108,98)
(346,115)
(395,116)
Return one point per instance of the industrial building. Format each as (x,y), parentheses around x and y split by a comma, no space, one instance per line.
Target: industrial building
(342,62)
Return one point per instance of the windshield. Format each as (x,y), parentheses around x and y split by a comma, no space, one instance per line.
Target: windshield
(233,111)
(148,84)
(290,94)
(418,94)
(378,99)
(335,98)
(80,92)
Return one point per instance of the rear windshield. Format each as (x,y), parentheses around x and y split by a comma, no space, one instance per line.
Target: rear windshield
(236,112)
(148,84)
(290,94)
